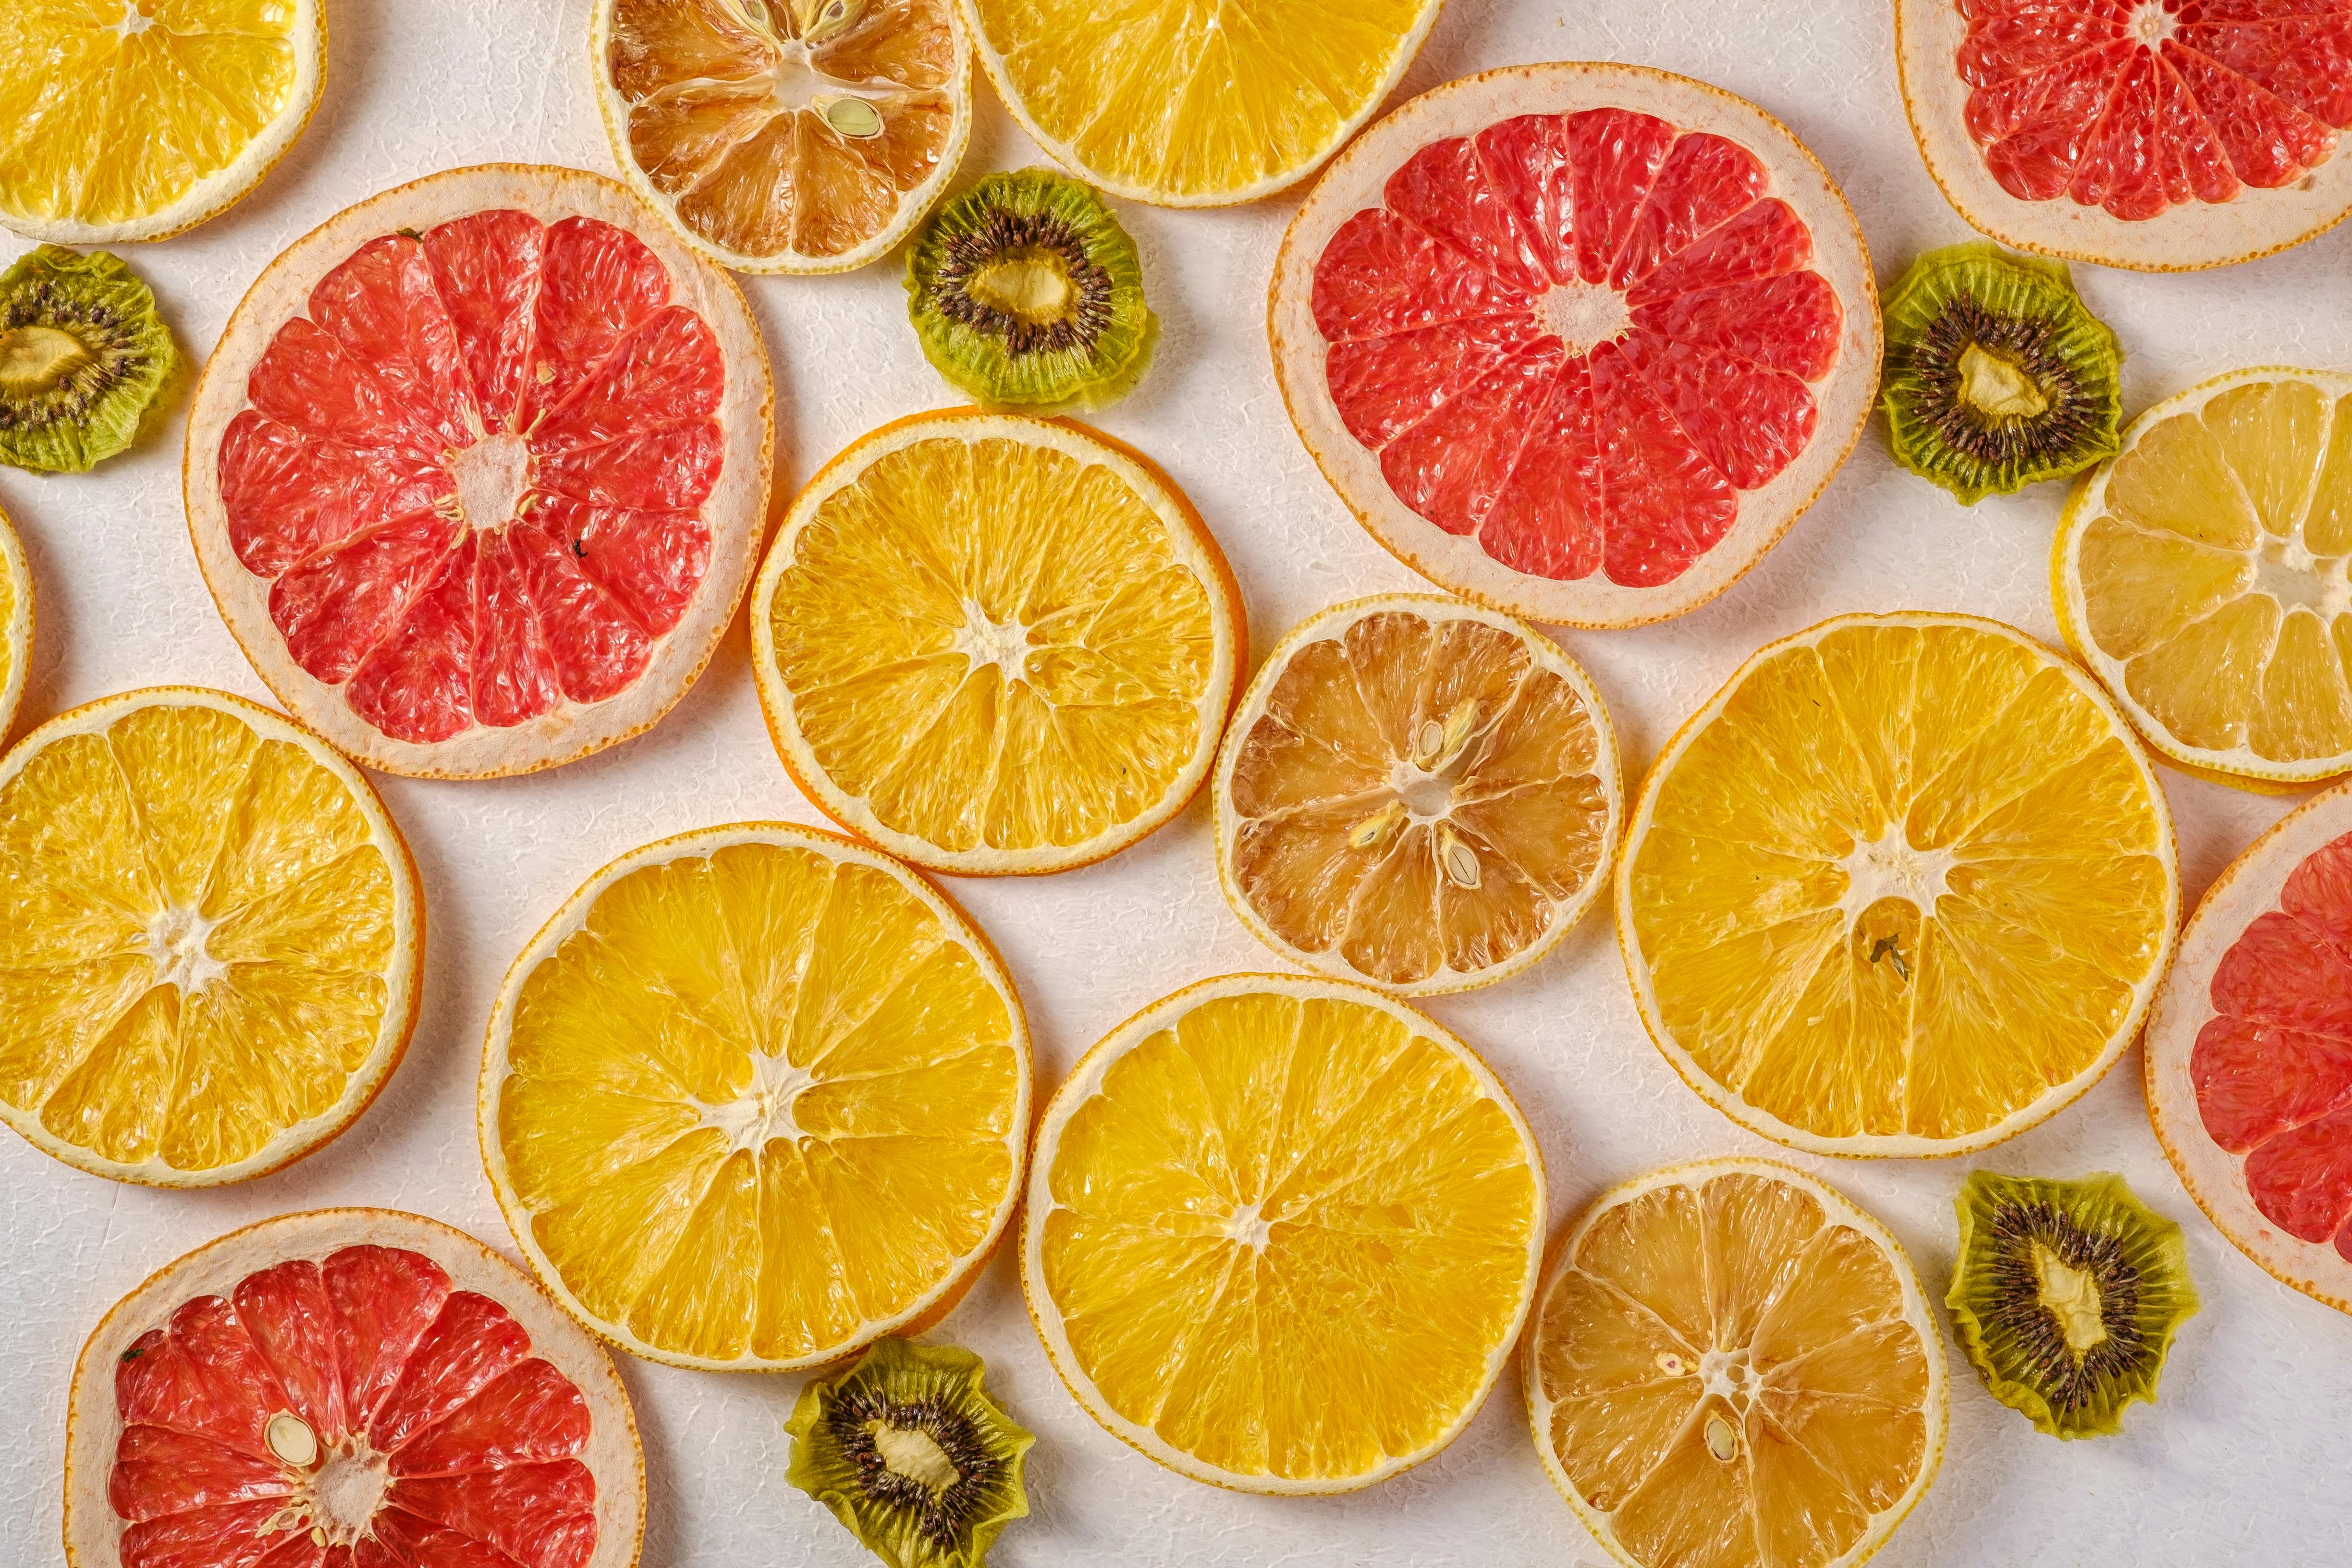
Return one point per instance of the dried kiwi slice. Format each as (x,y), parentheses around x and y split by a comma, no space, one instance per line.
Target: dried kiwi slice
(1027,295)
(84,357)
(1996,374)
(2066,1297)
(909,1452)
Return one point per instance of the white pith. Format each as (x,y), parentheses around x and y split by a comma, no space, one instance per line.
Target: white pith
(337,1501)
(1583,316)
(1891,867)
(492,476)
(985,642)
(175,946)
(764,1110)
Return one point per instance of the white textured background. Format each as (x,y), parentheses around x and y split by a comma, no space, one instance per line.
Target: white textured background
(2244,1460)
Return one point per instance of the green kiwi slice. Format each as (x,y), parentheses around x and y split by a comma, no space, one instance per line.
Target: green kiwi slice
(1026,294)
(84,358)
(2066,1297)
(1998,375)
(909,1451)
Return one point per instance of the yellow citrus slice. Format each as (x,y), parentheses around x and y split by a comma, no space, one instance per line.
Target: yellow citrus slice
(995,645)
(1732,1366)
(1196,103)
(755,1097)
(1282,1233)
(785,135)
(210,935)
(1416,792)
(2200,575)
(1904,885)
(137,118)
(15,624)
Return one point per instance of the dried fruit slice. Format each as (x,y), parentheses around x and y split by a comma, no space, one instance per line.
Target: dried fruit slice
(1222,1184)
(477,471)
(755,1097)
(1732,1365)
(15,624)
(210,939)
(127,119)
(2249,1056)
(1418,793)
(85,359)
(1578,342)
(347,1388)
(995,645)
(1193,105)
(2157,134)
(2201,575)
(1904,885)
(785,135)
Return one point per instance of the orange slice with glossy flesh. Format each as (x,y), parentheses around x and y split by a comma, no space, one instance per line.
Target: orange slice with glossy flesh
(348,1387)
(15,624)
(1732,1366)
(1418,793)
(785,135)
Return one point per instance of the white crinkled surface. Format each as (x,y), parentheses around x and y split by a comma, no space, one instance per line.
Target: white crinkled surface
(2242,1460)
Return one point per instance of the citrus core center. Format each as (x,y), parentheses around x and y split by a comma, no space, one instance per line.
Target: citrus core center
(175,946)
(1033,285)
(492,475)
(1249,1226)
(2298,580)
(914,1454)
(1584,315)
(2152,23)
(1005,644)
(34,359)
(1889,868)
(764,1110)
(2071,1296)
(1998,388)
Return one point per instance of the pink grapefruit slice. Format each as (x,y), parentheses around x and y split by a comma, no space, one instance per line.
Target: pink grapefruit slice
(2158,134)
(347,1388)
(1577,342)
(478,470)
(2249,1057)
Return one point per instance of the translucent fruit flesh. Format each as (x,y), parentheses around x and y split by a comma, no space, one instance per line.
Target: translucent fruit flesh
(1419,795)
(1916,919)
(2140,108)
(472,472)
(354,1412)
(1235,1189)
(1731,1377)
(1624,452)
(759,1102)
(780,127)
(197,926)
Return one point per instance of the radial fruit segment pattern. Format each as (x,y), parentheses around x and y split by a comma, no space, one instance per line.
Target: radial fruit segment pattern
(472,471)
(1579,338)
(352,1413)
(2138,108)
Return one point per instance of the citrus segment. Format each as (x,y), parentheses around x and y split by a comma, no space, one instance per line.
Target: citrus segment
(137,118)
(1416,794)
(1195,104)
(1732,1364)
(1916,926)
(995,644)
(210,965)
(785,135)
(505,468)
(1222,1175)
(754,1097)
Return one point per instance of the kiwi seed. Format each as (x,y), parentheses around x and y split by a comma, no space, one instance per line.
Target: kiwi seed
(84,359)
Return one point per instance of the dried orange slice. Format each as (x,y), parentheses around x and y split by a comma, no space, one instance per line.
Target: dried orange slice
(15,624)
(1418,793)
(342,1386)
(1732,1365)
(785,135)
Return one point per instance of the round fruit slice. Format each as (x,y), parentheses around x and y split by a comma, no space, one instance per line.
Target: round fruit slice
(2250,1051)
(754,1097)
(1190,105)
(1731,1365)
(1904,885)
(1578,342)
(348,1388)
(15,624)
(478,472)
(136,119)
(993,645)
(2201,575)
(1418,793)
(1220,1178)
(2158,134)
(785,135)
(211,939)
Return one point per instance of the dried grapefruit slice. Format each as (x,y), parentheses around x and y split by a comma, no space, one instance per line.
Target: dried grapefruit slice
(2249,1056)
(785,135)
(477,470)
(347,1388)
(15,624)
(1577,342)
(2157,134)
